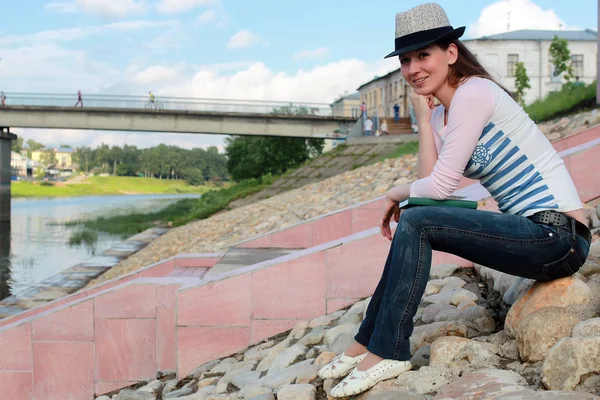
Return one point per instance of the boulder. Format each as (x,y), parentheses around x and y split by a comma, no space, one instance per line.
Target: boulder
(591,327)
(426,379)
(484,384)
(258,352)
(461,353)
(332,334)
(518,286)
(432,310)
(128,394)
(569,360)
(477,319)
(303,391)
(541,330)
(287,358)
(421,357)
(442,271)
(592,264)
(354,315)
(557,293)
(547,395)
(426,334)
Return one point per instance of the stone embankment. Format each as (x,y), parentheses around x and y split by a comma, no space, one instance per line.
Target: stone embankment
(480,334)
(570,125)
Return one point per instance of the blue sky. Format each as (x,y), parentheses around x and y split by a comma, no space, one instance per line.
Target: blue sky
(262,49)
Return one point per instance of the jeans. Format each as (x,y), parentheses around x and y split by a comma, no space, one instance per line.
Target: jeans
(508,243)
(368,133)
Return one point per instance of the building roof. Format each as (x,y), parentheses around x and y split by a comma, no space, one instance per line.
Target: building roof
(353,96)
(530,34)
(64,150)
(378,78)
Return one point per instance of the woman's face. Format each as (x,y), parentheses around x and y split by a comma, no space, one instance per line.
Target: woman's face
(426,70)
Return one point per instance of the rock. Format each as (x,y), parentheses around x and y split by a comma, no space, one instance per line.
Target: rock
(519,286)
(442,271)
(307,375)
(253,391)
(426,334)
(325,357)
(178,393)
(103,398)
(313,337)
(451,283)
(477,319)
(264,396)
(299,330)
(426,379)
(275,351)
(484,384)
(432,310)
(557,293)
(592,264)
(208,382)
(432,288)
(591,384)
(332,334)
(541,330)
(128,394)
(499,281)
(152,387)
(258,352)
(324,320)
(204,368)
(509,349)
(172,384)
(453,297)
(591,327)
(343,341)
(303,391)
(460,353)
(546,395)
(245,378)
(287,358)
(466,303)
(386,386)
(421,357)
(354,315)
(288,375)
(569,360)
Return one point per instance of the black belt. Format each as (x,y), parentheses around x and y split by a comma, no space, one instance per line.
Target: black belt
(560,220)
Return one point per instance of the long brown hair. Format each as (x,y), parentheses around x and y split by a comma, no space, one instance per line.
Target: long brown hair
(466,65)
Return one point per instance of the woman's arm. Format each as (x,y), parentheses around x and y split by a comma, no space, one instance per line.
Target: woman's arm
(427,151)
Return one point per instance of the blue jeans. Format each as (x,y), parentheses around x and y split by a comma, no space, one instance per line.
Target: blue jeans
(368,133)
(509,243)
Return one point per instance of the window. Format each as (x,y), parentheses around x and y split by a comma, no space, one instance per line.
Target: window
(511,66)
(577,64)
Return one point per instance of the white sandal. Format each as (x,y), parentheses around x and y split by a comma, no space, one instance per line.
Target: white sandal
(340,366)
(361,381)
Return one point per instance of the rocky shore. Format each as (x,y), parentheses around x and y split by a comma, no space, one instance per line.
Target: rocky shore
(480,334)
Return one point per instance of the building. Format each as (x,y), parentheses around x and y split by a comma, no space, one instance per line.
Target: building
(63,156)
(381,94)
(500,53)
(21,166)
(346,106)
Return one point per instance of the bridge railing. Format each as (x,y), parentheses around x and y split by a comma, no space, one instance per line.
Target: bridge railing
(180,103)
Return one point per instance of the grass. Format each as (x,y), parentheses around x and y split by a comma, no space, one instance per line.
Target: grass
(401,150)
(179,213)
(571,98)
(109,185)
(86,236)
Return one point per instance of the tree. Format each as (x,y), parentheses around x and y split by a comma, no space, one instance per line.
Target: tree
(39,173)
(561,58)
(294,110)
(17,145)
(32,146)
(48,158)
(521,82)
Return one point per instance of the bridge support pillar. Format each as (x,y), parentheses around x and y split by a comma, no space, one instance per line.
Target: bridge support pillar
(6,139)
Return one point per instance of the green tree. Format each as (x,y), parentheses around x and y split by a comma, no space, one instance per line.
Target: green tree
(39,173)
(521,82)
(17,144)
(561,58)
(48,158)
(295,110)
(32,146)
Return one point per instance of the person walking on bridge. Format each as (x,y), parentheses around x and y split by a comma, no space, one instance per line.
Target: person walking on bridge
(151,97)
(478,131)
(79,98)
(2,99)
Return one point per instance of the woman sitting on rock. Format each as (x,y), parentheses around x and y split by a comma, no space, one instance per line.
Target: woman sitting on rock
(480,132)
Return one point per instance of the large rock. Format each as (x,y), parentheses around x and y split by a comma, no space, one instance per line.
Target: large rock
(288,375)
(426,379)
(426,334)
(461,353)
(272,354)
(287,358)
(453,296)
(432,310)
(541,330)
(570,360)
(484,384)
(547,395)
(591,327)
(519,286)
(354,315)
(557,293)
(477,319)
(421,357)
(442,271)
(332,334)
(592,264)
(304,391)
(129,394)
(258,352)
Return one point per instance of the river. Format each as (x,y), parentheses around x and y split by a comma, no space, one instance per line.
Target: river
(39,246)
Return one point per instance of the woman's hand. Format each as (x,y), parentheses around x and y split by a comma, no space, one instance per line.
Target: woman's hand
(390,209)
(423,106)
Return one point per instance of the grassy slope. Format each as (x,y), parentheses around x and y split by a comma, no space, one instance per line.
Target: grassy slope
(105,186)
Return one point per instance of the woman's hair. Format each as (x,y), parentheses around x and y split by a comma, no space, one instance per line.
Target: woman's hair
(466,65)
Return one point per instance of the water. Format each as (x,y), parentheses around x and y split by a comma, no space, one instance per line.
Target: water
(39,246)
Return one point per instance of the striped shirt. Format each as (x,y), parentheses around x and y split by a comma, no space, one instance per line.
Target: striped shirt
(490,138)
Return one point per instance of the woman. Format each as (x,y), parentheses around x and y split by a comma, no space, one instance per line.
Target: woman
(480,132)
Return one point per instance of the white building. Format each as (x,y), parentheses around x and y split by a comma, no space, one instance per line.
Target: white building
(500,54)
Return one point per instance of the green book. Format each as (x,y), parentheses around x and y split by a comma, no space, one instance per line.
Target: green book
(451,202)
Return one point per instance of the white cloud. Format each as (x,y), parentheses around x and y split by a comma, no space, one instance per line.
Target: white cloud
(311,54)
(245,39)
(103,8)
(207,17)
(213,16)
(524,14)
(177,6)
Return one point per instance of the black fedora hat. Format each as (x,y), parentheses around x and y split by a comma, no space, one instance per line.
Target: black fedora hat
(421,26)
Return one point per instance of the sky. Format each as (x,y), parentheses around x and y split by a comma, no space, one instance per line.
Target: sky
(229,49)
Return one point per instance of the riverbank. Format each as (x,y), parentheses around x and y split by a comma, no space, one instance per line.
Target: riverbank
(107,185)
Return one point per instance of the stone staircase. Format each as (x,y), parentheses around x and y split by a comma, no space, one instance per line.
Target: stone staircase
(402,127)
